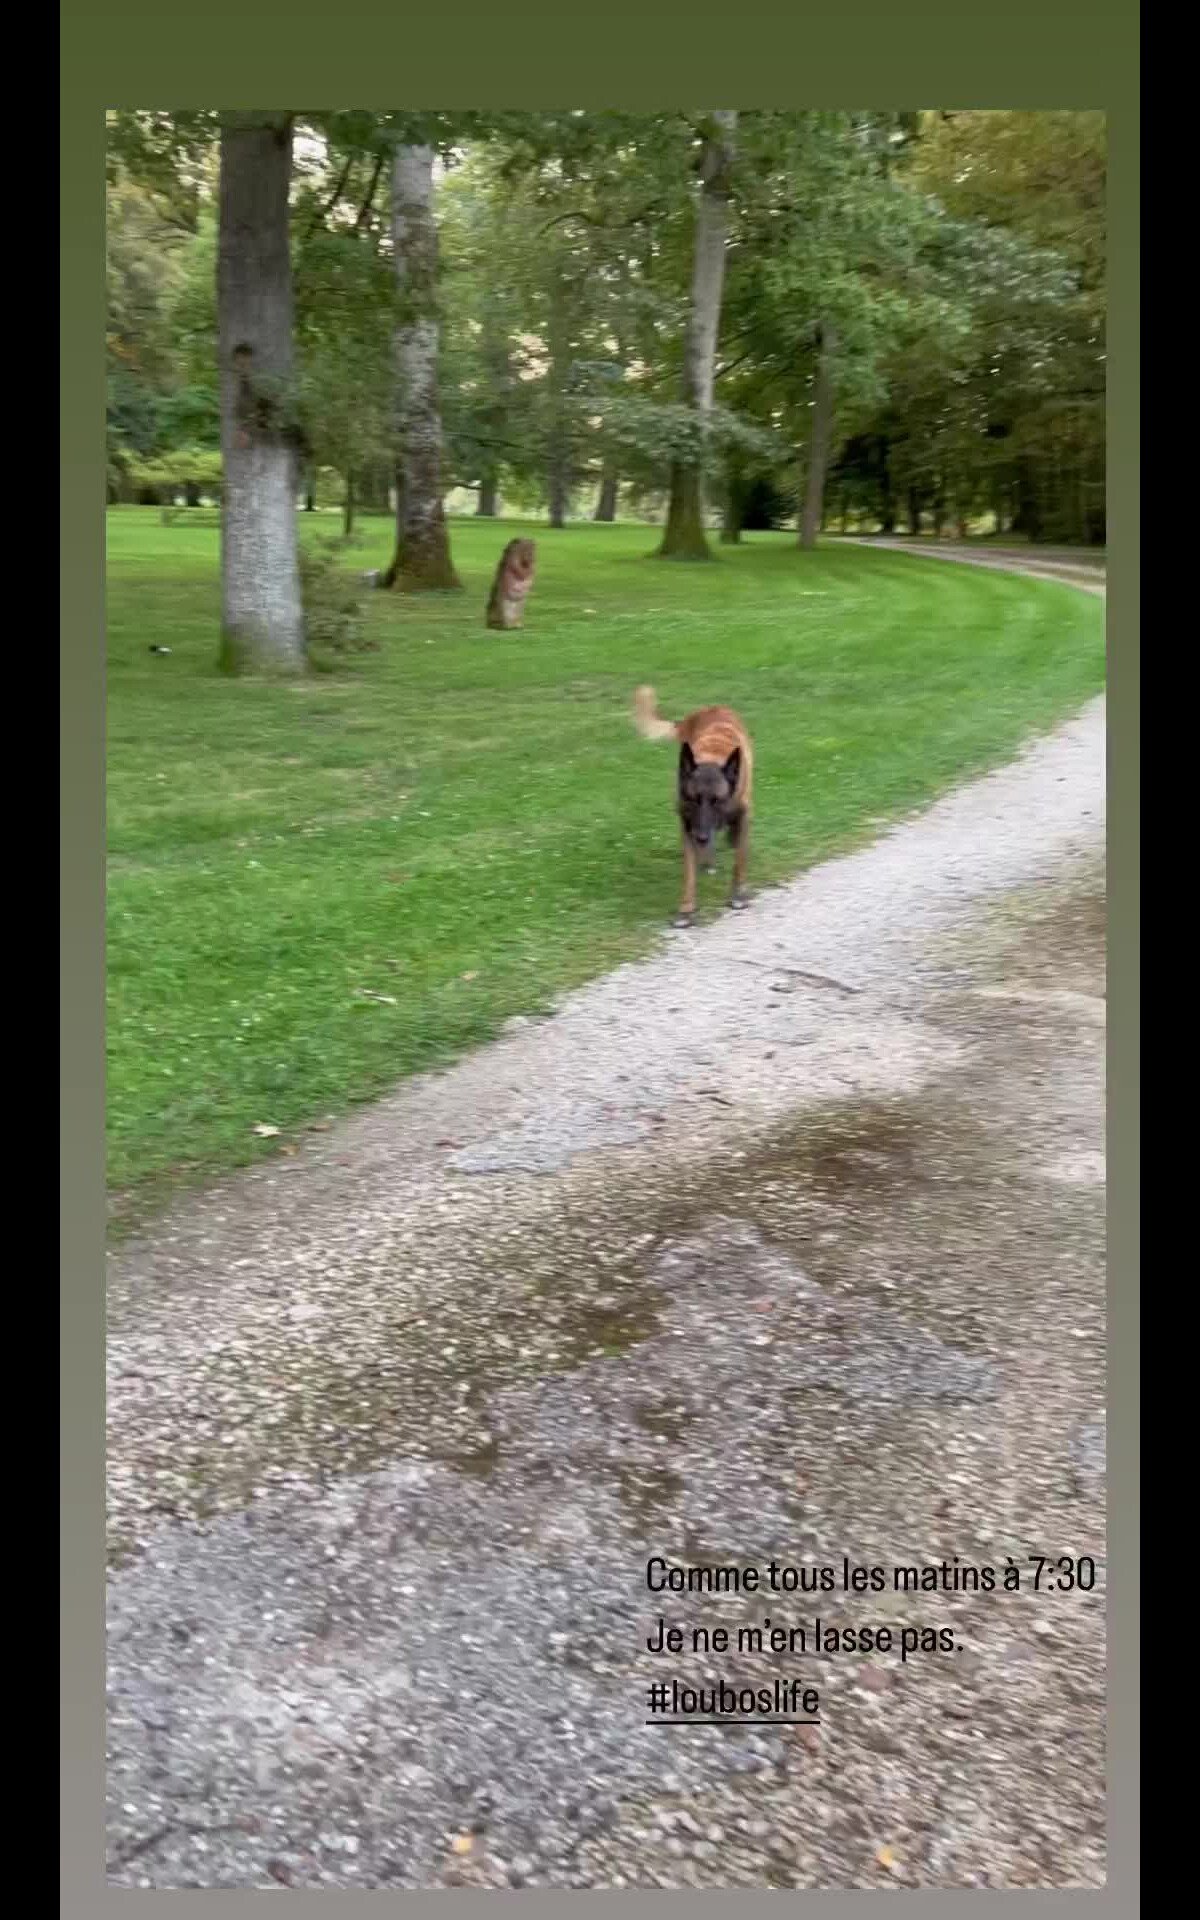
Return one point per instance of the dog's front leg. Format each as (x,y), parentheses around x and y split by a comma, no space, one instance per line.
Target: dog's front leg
(739,834)
(687,906)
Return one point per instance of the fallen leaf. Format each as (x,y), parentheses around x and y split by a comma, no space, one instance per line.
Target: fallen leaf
(462,1842)
(264,1132)
(473,975)
(447,1143)
(886,1859)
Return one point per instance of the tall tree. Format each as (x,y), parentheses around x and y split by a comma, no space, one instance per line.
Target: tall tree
(261,614)
(422,559)
(495,416)
(684,537)
(825,278)
(345,310)
(1033,185)
(481,315)
(606,503)
(812,512)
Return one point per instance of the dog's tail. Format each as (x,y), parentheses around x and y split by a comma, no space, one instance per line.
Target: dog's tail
(647,720)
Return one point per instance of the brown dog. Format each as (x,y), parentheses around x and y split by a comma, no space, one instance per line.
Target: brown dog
(716,766)
(510,585)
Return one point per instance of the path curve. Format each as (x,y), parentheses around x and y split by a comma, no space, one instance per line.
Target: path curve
(1088,576)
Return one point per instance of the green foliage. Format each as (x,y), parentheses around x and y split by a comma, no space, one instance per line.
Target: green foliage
(333,599)
(959,257)
(547,298)
(1004,416)
(345,312)
(171,156)
(762,501)
(164,475)
(663,431)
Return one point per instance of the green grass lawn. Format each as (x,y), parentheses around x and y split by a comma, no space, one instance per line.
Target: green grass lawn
(464,823)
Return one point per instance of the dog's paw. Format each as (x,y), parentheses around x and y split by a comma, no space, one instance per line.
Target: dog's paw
(684,920)
(739,902)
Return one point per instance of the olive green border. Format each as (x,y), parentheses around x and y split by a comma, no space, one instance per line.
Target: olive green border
(1056,53)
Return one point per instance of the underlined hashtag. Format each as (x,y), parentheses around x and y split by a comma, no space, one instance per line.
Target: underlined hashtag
(657,1697)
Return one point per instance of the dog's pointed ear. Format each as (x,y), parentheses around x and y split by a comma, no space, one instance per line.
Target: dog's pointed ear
(687,759)
(733,767)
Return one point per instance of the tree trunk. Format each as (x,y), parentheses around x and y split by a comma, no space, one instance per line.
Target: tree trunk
(1027,514)
(684,538)
(261,614)
(422,560)
(939,511)
(733,506)
(606,505)
(495,419)
(887,492)
(556,483)
(813,512)
(348,508)
(557,448)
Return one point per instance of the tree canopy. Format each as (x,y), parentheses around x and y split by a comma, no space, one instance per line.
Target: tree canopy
(943,273)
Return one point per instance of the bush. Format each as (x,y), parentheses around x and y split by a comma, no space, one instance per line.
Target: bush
(191,471)
(333,608)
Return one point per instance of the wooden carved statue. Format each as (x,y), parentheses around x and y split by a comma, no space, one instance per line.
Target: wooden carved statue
(514,577)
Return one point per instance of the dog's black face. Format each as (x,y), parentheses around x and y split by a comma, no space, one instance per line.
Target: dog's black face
(706,796)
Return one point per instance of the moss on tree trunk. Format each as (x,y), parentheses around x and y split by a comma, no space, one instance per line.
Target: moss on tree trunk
(685,538)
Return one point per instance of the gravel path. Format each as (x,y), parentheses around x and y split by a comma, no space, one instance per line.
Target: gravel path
(787,1242)
(1074,569)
